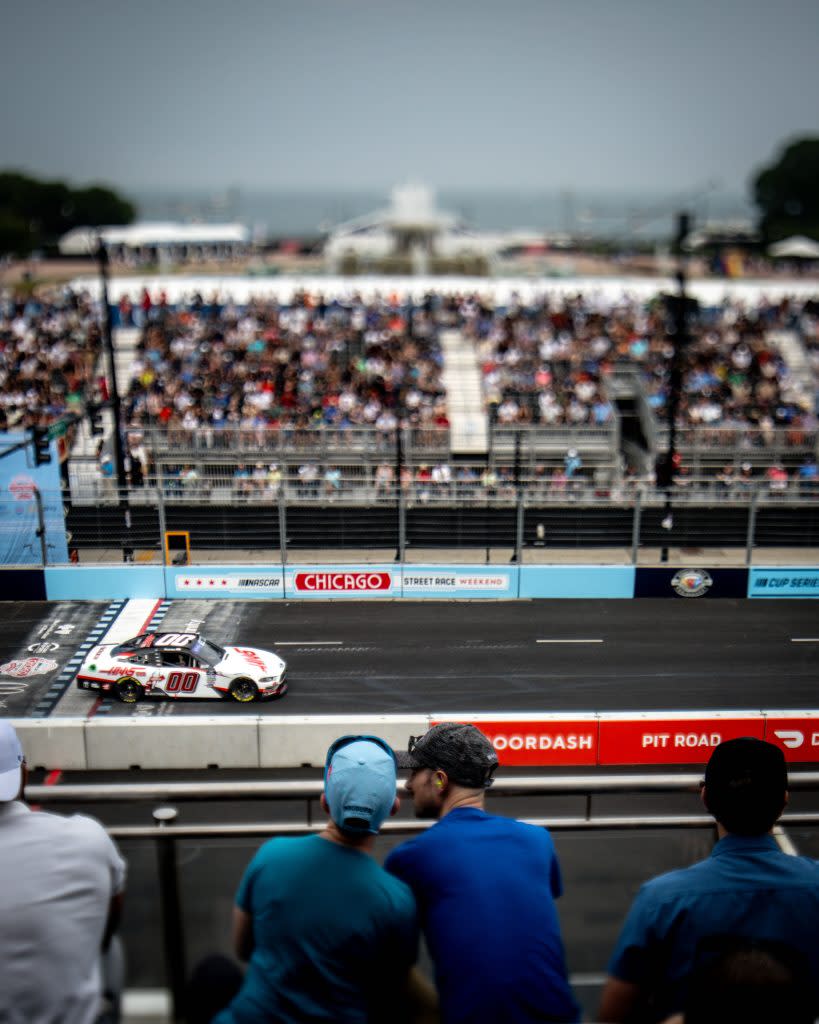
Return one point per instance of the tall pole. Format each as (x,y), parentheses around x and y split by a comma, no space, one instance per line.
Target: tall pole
(679,330)
(119,450)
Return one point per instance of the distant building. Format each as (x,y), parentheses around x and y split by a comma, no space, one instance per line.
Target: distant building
(161,242)
(409,237)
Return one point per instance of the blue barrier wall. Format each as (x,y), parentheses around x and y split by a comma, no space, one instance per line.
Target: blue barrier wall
(103,582)
(356,582)
(577,581)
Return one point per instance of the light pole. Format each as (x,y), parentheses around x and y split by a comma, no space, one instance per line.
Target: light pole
(677,306)
(119,450)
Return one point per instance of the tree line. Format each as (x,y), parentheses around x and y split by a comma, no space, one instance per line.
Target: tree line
(35,214)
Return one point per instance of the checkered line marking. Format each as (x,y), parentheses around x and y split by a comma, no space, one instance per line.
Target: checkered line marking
(49,700)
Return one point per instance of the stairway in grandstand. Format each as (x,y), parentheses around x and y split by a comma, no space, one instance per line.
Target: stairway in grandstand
(461,374)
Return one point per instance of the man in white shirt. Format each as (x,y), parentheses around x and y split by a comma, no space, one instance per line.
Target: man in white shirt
(61,886)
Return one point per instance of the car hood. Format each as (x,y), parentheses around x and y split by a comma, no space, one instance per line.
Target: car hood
(252,660)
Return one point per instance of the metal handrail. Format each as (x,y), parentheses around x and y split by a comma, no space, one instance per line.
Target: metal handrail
(310,789)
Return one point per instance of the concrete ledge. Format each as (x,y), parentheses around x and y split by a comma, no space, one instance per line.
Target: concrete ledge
(292,741)
(164,743)
(53,743)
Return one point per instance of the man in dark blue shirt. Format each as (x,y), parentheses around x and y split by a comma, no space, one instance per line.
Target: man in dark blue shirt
(747,889)
(485,887)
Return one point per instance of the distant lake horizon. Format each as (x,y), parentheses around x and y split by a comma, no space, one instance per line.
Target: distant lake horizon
(306,212)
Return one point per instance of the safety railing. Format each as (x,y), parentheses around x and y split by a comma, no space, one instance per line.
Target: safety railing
(488,519)
(166,832)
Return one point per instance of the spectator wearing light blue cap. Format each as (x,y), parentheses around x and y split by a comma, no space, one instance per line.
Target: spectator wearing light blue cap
(327,933)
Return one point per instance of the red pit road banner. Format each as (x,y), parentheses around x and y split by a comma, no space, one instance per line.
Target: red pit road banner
(543,744)
(796,736)
(639,741)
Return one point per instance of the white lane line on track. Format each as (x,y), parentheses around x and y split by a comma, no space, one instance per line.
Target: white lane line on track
(805,639)
(568,641)
(307,643)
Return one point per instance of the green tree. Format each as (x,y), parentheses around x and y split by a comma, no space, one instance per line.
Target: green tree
(787,193)
(35,214)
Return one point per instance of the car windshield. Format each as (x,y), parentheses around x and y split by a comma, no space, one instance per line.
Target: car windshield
(207,650)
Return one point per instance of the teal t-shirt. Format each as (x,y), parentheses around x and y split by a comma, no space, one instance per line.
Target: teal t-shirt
(334,935)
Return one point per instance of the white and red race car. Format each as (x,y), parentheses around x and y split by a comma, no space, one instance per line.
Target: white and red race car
(182,665)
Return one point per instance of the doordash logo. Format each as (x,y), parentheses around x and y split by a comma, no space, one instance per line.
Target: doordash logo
(342,581)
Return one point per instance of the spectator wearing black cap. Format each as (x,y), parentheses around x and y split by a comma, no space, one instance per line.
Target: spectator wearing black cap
(747,889)
(485,887)
(327,933)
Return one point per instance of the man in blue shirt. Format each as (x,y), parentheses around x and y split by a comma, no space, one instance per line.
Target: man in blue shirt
(485,887)
(747,889)
(327,933)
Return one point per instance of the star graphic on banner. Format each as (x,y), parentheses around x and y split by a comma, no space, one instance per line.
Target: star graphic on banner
(199,583)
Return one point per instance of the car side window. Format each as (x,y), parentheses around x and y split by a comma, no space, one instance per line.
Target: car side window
(176,658)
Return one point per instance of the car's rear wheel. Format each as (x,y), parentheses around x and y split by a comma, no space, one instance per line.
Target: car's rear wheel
(128,690)
(243,690)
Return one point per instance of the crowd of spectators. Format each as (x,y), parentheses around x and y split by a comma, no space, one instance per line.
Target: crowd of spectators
(310,363)
(49,347)
(546,362)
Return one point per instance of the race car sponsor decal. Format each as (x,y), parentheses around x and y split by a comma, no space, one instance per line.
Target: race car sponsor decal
(26,667)
(347,582)
(455,581)
(251,656)
(248,582)
(691,582)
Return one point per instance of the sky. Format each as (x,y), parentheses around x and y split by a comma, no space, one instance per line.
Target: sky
(351,94)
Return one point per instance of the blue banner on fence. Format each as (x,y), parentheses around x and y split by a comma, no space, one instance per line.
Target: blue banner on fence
(19,523)
(783,582)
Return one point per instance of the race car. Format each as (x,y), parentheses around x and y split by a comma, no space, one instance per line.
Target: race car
(182,665)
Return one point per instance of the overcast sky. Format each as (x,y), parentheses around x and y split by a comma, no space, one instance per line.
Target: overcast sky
(552,94)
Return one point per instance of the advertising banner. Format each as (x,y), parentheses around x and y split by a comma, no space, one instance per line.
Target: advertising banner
(103,582)
(19,542)
(225,582)
(691,583)
(537,743)
(671,739)
(334,582)
(783,582)
(795,732)
(459,581)
(577,581)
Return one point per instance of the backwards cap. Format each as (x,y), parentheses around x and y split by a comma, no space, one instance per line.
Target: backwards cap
(11,761)
(462,751)
(359,783)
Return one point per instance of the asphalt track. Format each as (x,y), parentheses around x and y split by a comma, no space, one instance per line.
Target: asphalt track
(429,656)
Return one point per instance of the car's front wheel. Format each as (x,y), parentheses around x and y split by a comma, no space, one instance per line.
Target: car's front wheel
(243,690)
(128,690)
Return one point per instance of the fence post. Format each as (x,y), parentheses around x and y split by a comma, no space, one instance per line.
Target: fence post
(41,530)
(163,525)
(172,932)
(282,525)
(402,525)
(635,526)
(518,555)
(749,540)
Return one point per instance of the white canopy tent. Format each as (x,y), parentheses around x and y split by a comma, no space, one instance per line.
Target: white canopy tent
(795,247)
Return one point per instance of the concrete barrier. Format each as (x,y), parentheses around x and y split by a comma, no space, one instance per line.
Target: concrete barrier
(294,741)
(53,743)
(196,742)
